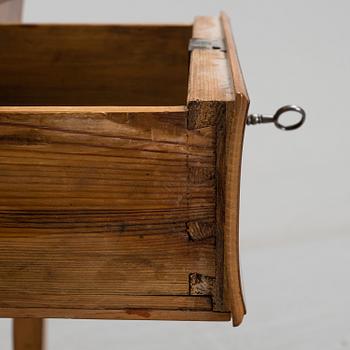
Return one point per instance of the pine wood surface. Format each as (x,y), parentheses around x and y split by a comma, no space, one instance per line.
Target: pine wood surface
(131,211)
(236,115)
(105,301)
(127,314)
(210,88)
(94,207)
(217,96)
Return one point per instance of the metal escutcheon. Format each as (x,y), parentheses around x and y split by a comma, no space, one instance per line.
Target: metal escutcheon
(254,119)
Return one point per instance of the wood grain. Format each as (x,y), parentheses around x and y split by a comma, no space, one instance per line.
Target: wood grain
(235,125)
(104,301)
(120,212)
(209,84)
(210,89)
(28,334)
(93,64)
(132,314)
(97,160)
(198,230)
(217,96)
(96,205)
(11,11)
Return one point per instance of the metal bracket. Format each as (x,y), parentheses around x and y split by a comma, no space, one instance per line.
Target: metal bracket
(205,44)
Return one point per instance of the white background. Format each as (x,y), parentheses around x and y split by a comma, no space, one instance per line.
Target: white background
(295,220)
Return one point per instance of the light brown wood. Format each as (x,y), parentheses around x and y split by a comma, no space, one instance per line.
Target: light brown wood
(207,27)
(11,11)
(93,64)
(119,201)
(210,88)
(209,84)
(98,204)
(104,301)
(129,314)
(217,97)
(236,115)
(28,334)
(97,160)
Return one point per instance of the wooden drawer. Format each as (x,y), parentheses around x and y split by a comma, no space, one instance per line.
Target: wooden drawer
(120,161)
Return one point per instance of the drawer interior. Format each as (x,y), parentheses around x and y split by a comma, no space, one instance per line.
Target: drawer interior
(93,65)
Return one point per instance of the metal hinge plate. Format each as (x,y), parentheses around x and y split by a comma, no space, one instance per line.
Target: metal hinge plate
(204,44)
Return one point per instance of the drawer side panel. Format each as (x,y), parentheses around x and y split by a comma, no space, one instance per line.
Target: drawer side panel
(96,206)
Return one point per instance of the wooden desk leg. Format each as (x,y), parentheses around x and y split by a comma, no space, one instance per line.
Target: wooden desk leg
(28,334)
(11,11)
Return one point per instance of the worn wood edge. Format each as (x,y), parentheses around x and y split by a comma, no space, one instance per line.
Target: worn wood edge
(232,200)
(127,314)
(105,302)
(235,125)
(237,74)
(92,109)
(206,285)
(210,88)
(209,84)
(28,334)
(207,27)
